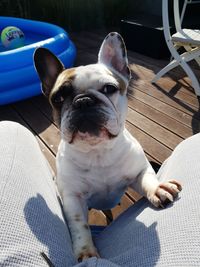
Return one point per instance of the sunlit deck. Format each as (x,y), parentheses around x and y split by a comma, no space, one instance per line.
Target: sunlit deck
(159,116)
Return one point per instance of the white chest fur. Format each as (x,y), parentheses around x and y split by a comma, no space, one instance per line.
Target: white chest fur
(100,175)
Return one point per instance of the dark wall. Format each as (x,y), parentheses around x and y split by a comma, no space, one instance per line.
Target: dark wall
(152,7)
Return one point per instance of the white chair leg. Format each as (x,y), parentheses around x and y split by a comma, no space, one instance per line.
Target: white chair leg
(182,59)
(176,46)
(190,73)
(163,71)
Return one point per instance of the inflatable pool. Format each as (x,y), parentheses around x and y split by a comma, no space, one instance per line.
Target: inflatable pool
(18,78)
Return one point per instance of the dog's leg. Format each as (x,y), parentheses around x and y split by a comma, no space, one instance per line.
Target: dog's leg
(159,194)
(75,210)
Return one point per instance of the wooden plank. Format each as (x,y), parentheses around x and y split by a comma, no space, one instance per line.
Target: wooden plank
(85,58)
(97,35)
(172,112)
(87,40)
(160,94)
(155,130)
(42,104)
(160,118)
(133,194)
(147,74)
(96,217)
(176,88)
(147,62)
(154,66)
(124,204)
(143,83)
(152,147)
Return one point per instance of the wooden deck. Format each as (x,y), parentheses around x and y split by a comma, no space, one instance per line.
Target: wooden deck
(159,116)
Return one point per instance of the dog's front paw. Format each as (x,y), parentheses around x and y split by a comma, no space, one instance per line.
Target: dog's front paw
(165,193)
(86,252)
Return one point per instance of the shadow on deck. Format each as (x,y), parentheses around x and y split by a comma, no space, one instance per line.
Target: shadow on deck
(160,116)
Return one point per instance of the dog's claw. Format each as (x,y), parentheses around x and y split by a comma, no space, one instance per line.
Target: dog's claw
(166,193)
(177,184)
(164,204)
(85,255)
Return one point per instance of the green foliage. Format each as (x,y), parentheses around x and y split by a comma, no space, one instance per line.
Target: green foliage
(15,8)
(73,14)
(70,14)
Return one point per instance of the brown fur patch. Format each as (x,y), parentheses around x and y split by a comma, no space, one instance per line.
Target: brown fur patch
(67,76)
(122,84)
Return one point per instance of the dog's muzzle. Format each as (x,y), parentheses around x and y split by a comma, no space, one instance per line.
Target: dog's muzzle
(86,115)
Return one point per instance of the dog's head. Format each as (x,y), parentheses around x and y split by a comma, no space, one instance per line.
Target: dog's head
(89,102)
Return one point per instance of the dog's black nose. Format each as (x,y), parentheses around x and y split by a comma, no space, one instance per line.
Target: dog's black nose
(83,101)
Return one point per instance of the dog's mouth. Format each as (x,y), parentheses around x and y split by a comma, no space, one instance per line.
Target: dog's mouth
(91,138)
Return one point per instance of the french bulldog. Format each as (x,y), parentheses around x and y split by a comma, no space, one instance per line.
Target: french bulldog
(97,157)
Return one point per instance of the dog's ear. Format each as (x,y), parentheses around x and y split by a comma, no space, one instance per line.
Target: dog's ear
(113,54)
(48,67)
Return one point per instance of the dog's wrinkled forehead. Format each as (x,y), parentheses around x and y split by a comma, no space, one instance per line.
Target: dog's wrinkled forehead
(93,77)
(112,67)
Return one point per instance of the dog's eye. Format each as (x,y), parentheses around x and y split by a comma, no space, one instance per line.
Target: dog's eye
(63,92)
(108,89)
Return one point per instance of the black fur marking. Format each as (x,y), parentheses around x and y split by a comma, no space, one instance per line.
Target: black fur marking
(86,115)
(86,226)
(89,120)
(123,50)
